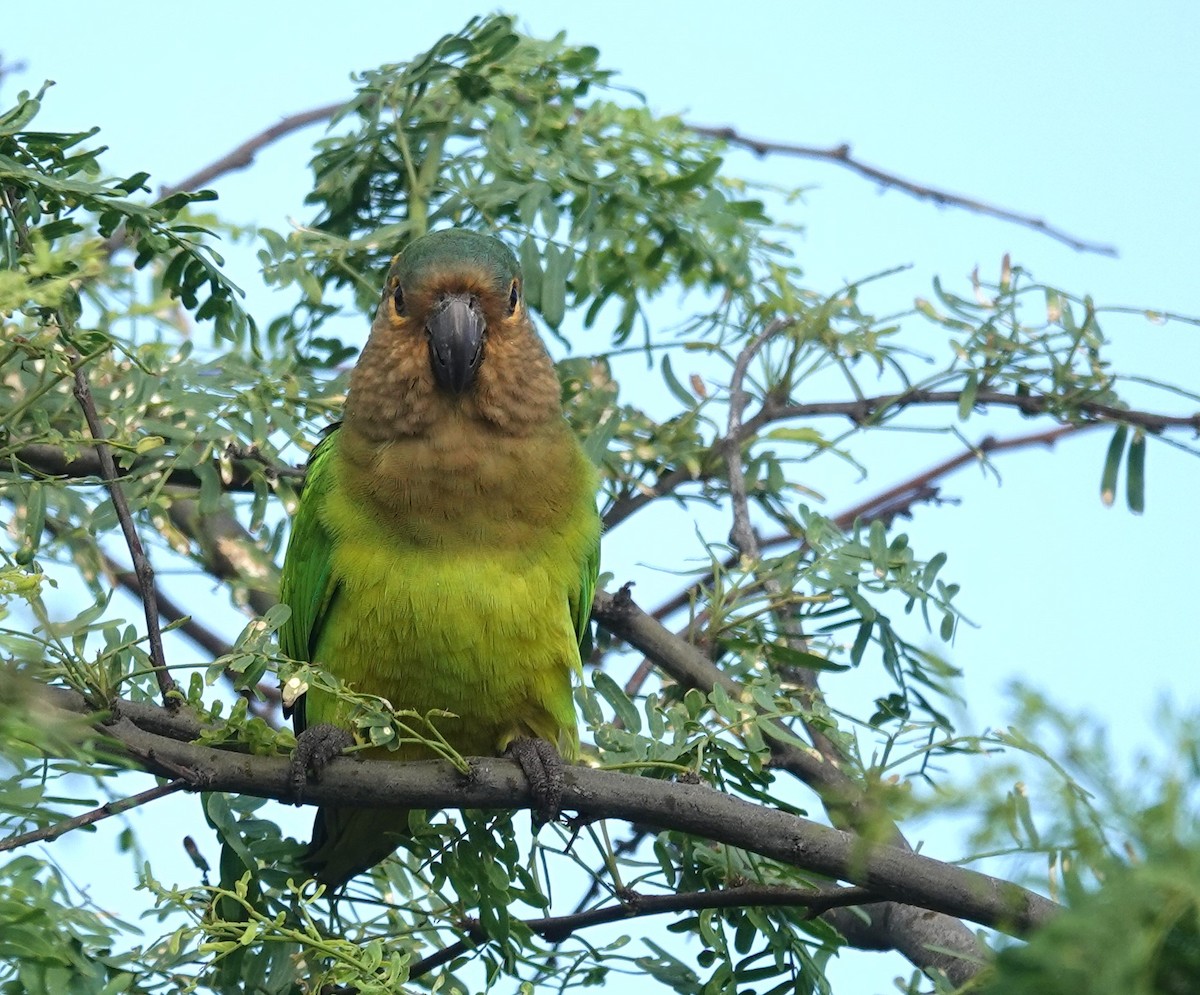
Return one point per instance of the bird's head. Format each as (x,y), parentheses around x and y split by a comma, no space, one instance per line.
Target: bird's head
(452,340)
(449,293)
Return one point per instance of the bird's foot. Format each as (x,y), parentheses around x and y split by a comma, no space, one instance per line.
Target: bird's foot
(543,768)
(315,747)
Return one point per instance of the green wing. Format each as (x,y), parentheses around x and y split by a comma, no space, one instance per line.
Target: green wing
(581,603)
(307,585)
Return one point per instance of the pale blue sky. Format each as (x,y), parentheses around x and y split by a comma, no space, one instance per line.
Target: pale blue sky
(1084,114)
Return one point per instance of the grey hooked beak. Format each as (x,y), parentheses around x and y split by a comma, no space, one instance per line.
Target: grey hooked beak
(456,332)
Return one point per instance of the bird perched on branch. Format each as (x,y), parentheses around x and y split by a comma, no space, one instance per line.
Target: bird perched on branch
(445,552)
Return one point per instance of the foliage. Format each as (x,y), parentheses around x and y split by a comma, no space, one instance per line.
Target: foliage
(609,207)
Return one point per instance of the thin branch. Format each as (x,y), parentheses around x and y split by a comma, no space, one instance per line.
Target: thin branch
(95,815)
(841,155)
(689,667)
(237,475)
(866,410)
(742,535)
(745,541)
(556,929)
(141,564)
(243,156)
(52,461)
(887,505)
(264,706)
(137,554)
(888,872)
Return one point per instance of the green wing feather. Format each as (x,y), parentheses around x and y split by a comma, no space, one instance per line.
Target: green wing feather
(581,602)
(307,585)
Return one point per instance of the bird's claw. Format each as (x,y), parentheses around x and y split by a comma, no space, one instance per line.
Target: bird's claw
(542,766)
(315,747)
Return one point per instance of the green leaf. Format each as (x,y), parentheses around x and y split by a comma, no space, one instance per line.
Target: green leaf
(1135,473)
(531,272)
(966,400)
(797,435)
(700,176)
(1112,465)
(860,642)
(682,394)
(791,657)
(554,285)
(612,692)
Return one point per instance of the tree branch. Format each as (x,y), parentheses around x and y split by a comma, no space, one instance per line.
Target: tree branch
(237,475)
(243,156)
(840,794)
(865,410)
(841,155)
(633,905)
(95,815)
(141,564)
(51,461)
(745,541)
(157,743)
(889,504)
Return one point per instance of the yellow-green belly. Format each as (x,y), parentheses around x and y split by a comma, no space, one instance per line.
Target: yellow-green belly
(486,635)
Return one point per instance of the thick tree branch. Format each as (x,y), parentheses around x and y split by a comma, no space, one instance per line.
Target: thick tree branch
(157,742)
(842,796)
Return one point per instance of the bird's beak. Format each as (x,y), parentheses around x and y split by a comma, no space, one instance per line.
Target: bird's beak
(456,332)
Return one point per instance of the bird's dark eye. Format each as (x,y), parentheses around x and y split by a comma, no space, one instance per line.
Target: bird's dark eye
(514,296)
(398,299)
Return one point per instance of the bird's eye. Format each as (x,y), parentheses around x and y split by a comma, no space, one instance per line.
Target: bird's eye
(398,299)
(514,296)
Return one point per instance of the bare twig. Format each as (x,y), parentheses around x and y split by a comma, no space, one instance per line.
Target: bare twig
(243,156)
(841,155)
(742,534)
(239,158)
(90,818)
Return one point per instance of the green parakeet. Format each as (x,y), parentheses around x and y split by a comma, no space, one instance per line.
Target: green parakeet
(445,551)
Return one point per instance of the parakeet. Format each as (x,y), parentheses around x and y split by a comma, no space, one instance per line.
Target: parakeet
(445,550)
